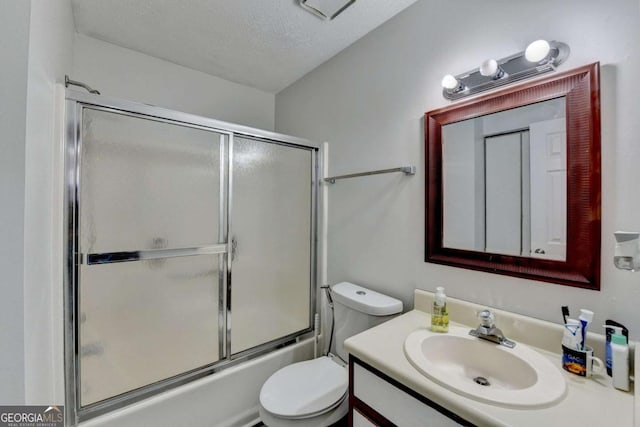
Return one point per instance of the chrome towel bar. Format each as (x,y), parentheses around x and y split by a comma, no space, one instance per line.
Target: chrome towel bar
(407,170)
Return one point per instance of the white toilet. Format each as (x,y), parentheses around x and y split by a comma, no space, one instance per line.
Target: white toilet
(314,393)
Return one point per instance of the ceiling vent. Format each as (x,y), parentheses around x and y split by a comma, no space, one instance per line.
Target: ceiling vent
(326,9)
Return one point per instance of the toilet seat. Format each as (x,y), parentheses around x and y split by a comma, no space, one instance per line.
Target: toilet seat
(305,389)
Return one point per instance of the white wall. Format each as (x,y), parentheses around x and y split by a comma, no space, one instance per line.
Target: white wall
(130,75)
(50,49)
(369,101)
(14,36)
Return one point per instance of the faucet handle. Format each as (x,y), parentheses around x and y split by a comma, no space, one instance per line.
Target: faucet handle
(487,318)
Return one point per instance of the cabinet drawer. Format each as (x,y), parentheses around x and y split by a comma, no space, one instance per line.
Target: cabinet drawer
(360,420)
(394,404)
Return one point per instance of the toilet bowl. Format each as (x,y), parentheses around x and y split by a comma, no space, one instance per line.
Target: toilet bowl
(314,393)
(310,393)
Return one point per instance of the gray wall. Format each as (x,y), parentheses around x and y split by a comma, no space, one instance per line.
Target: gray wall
(14,39)
(50,58)
(369,100)
(127,74)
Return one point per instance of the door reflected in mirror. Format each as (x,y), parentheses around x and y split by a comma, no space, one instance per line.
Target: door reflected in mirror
(505,180)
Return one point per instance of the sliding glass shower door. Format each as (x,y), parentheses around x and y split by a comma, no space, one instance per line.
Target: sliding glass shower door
(271,230)
(190,248)
(151,231)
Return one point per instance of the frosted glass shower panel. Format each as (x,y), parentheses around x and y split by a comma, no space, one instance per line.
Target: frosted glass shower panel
(149,188)
(142,322)
(147,184)
(272,206)
(189,249)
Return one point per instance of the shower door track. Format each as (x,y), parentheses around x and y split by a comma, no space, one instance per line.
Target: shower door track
(75,103)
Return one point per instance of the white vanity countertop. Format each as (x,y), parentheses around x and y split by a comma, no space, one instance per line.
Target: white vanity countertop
(589,402)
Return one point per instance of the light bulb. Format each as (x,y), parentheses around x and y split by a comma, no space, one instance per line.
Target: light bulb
(489,68)
(537,50)
(449,82)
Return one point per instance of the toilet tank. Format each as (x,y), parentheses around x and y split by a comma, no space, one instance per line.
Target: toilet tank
(357,309)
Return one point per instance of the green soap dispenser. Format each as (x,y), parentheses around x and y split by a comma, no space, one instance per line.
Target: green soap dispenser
(440,312)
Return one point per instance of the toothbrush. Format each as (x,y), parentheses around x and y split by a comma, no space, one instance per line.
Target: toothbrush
(565,313)
(586,316)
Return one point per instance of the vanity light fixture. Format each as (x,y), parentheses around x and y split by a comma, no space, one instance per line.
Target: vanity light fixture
(537,50)
(490,68)
(450,83)
(540,57)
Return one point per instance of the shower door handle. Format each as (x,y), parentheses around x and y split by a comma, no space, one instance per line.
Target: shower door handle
(234,248)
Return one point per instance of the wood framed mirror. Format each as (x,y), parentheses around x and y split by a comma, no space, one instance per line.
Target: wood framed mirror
(512,183)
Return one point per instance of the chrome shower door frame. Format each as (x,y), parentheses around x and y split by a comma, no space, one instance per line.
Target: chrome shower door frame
(76,102)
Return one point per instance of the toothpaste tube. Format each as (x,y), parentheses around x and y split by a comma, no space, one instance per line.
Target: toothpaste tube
(586,316)
(572,337)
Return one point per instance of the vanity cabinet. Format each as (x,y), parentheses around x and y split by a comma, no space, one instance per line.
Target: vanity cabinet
(375,399)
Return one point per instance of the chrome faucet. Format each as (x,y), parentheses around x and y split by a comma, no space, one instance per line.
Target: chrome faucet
(488,331)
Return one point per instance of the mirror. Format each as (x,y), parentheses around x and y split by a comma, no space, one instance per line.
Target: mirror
(513,181)
(504,182)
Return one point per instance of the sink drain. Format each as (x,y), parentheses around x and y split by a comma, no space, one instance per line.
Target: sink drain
(482,381)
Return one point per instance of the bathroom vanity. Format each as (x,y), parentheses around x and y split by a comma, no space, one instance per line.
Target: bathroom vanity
(386,389)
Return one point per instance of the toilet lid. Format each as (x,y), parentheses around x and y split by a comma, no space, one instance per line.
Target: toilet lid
(304,388)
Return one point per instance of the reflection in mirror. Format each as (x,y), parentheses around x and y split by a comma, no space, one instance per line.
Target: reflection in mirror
(504,182)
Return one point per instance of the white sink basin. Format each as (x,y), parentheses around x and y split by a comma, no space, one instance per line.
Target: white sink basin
(517,377)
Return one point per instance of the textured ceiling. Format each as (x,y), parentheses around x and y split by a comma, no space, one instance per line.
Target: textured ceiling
(266,44)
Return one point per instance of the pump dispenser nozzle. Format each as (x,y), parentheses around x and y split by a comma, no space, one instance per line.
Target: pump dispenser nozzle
(616,336)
